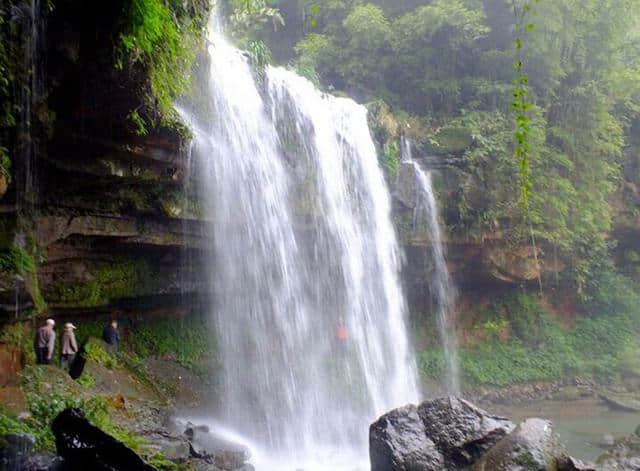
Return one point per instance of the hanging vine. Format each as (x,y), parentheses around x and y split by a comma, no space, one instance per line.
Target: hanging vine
(522,103)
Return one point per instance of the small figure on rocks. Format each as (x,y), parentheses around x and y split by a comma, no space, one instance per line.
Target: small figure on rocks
(69,346)
(45,343)
(111,336)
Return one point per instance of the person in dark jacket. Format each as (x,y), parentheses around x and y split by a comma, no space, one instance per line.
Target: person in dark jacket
(110,335)
(45,343)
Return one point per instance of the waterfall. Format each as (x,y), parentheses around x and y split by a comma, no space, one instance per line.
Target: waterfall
(304,264)
(440,282)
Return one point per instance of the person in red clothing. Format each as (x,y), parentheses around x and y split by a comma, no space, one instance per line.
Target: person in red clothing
(342,331)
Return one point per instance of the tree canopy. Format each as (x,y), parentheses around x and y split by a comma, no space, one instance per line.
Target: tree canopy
(447,67)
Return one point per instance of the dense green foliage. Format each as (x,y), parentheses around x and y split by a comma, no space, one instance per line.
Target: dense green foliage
(519,340)
(446,68)
(163,36)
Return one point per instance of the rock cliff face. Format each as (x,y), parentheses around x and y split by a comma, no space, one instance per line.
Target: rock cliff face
(95,216)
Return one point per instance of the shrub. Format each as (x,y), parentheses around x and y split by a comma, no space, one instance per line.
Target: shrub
(541,348)
(95,351)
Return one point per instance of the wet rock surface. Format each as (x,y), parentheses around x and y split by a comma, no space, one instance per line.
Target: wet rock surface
(16,453)
(215,450)
(443,434)
(462,431)
(451,434)
(531,446)
(398,440)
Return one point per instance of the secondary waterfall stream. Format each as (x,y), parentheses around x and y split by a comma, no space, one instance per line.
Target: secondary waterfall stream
(440,281)
(305,264)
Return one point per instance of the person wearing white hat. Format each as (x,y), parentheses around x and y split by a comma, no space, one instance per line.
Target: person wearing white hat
(45,342)
(69,346)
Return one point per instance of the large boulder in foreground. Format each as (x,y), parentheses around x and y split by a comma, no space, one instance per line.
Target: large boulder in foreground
(451,434)
(398,441)
(85,446)
(443,434)
(460,430)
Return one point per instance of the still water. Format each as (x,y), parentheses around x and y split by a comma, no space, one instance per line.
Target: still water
(581,424)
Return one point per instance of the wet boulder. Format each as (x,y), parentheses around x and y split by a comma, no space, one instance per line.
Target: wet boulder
(443,434)
(16,453)
(38,462)
(174,449)
(85,446)
(398,441)
(530,447)
(624,455)
(461,431)
(224,454)
(20,442)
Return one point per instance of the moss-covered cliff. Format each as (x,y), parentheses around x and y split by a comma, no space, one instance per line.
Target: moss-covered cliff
(93,204)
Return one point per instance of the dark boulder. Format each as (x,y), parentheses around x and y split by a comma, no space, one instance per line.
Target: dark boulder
(442,434)
(85,446)
(20,442)
(451,434)
(40,462)
(461,431)
(398,441)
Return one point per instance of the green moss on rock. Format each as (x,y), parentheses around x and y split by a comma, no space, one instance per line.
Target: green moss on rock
(110,280)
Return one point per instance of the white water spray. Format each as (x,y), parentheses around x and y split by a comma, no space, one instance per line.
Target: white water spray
(305,265)
(440,282)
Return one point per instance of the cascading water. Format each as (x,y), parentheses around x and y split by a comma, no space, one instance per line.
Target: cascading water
(305,264)
(426,208)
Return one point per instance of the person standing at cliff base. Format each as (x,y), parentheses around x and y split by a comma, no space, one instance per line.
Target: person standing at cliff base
(110,335)
(45,343)
(69,346)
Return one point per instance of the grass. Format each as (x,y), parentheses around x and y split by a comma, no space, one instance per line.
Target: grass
(49,391)
(95,351)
